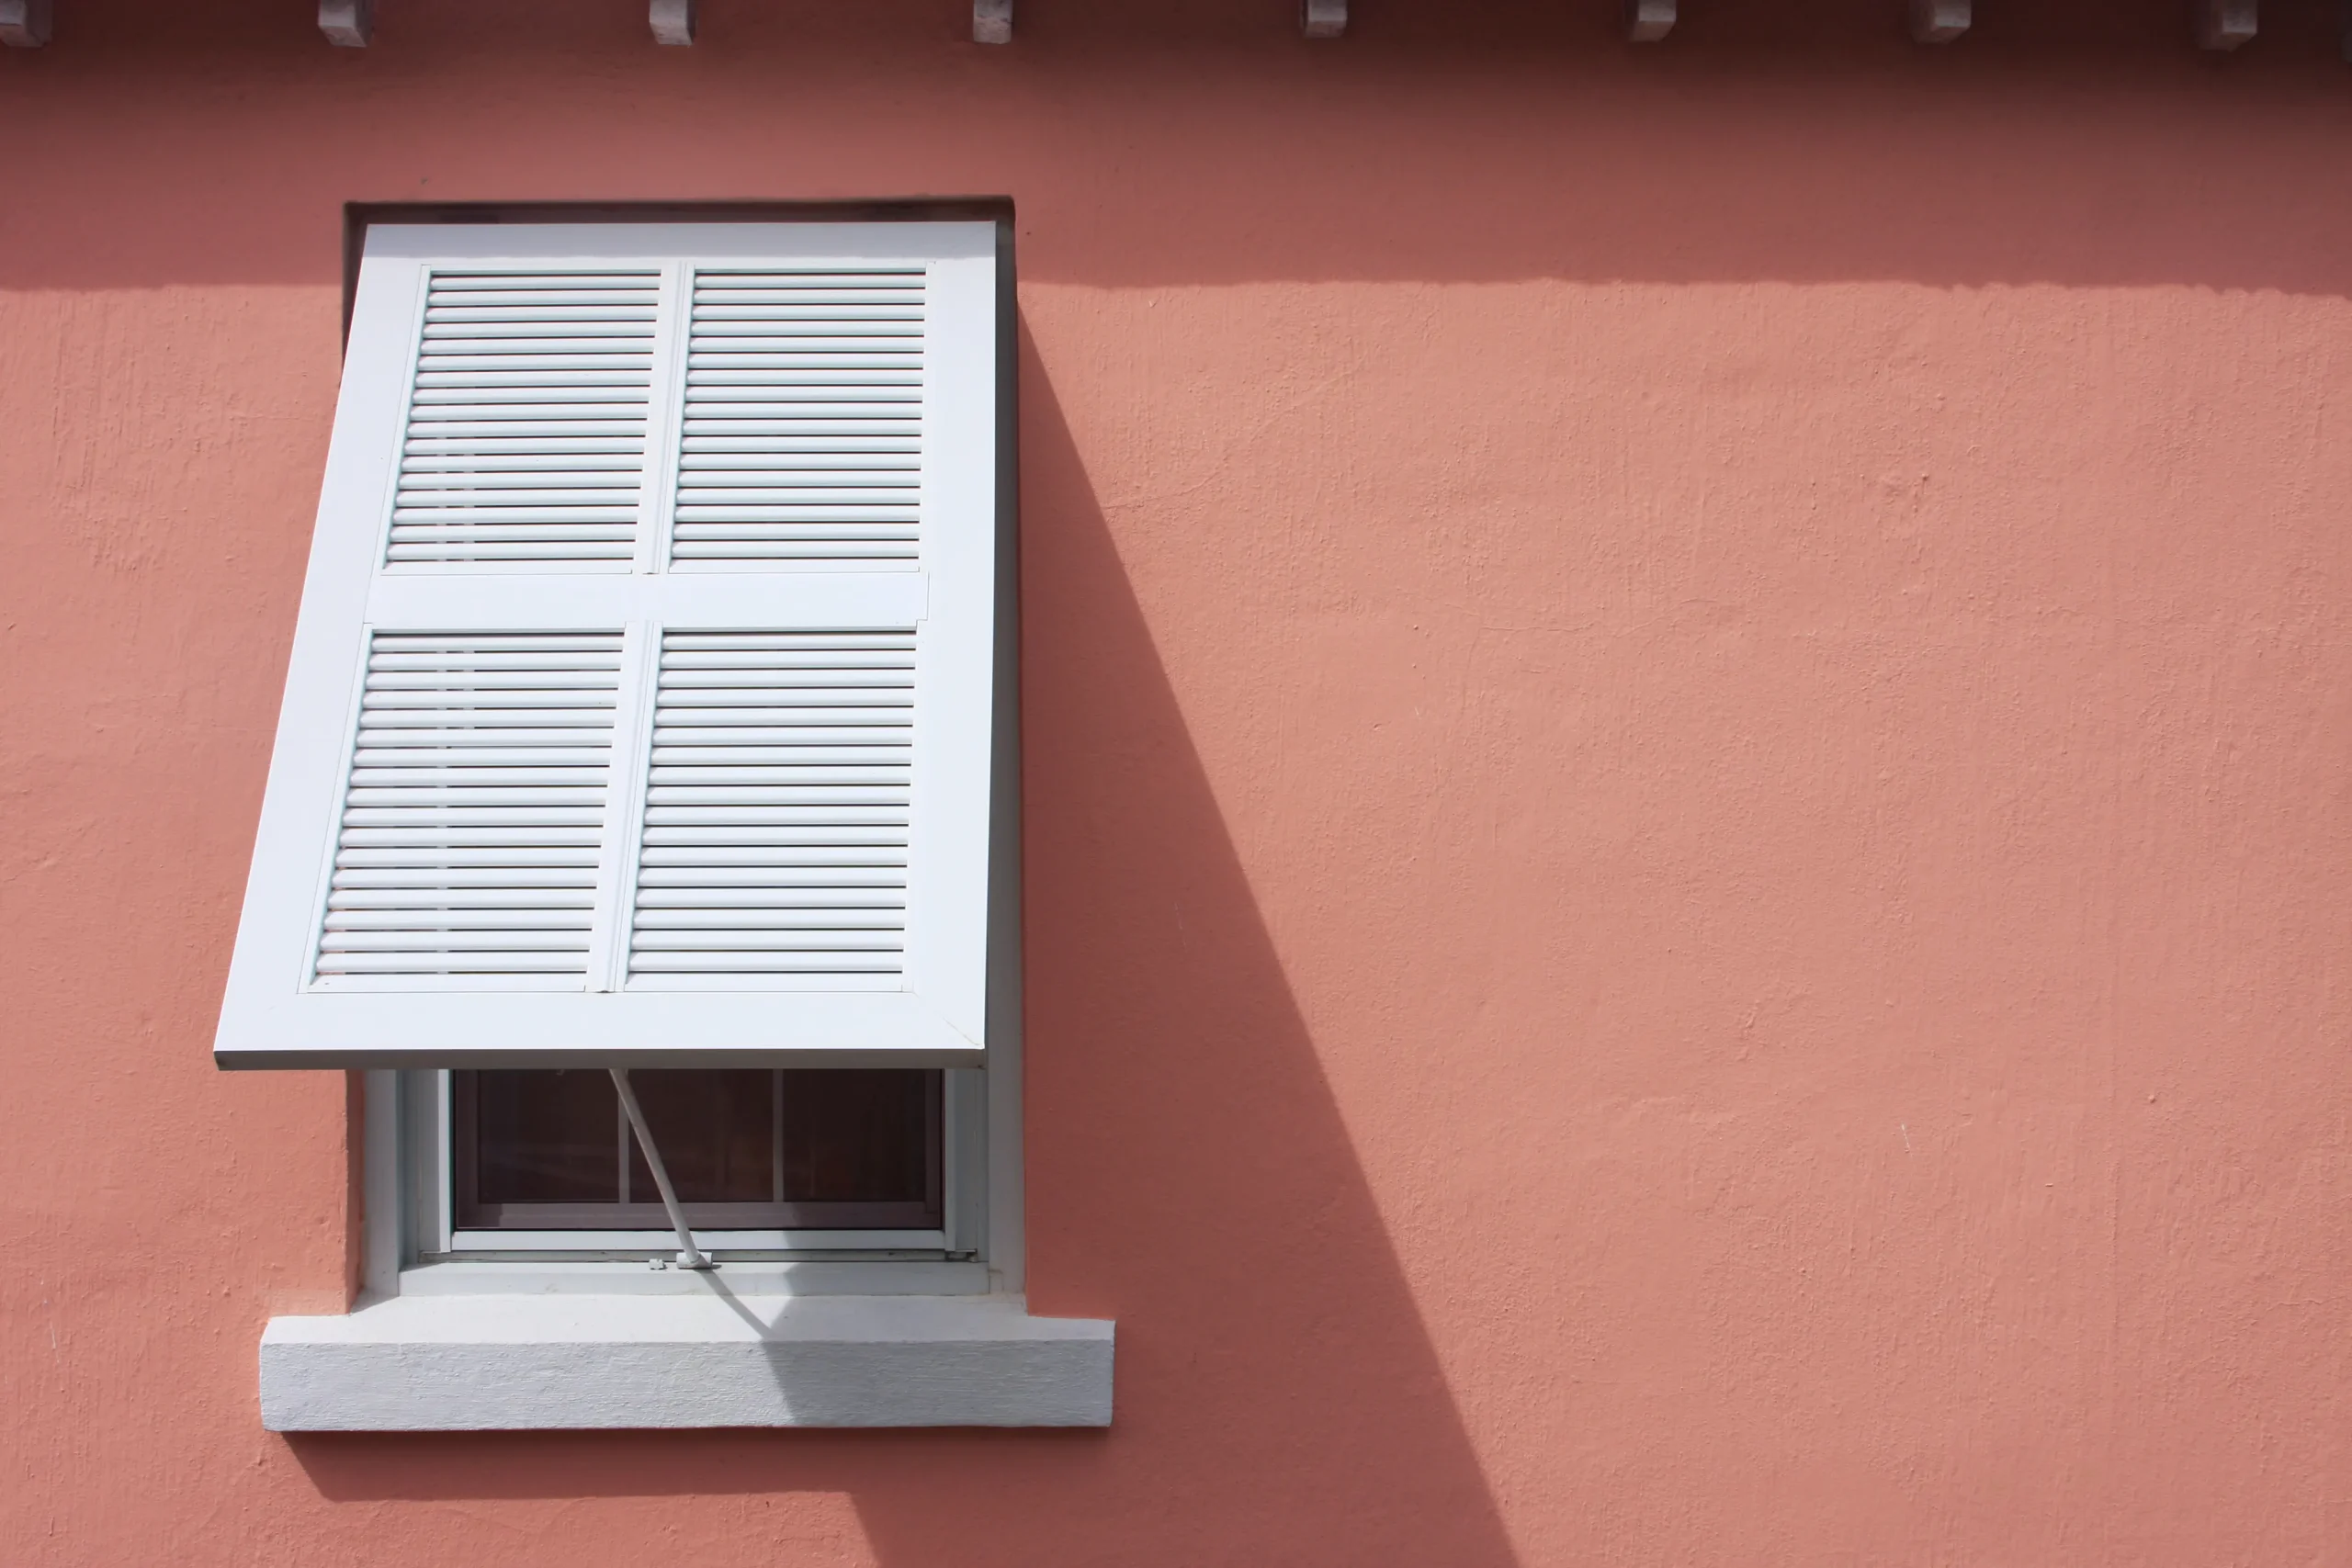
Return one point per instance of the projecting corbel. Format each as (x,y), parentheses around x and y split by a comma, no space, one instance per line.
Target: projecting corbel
(2225,24)
(1940,21)
(991,21)
(673,21)
(1647,21)
(24,24)
(348,23)
(1323,19)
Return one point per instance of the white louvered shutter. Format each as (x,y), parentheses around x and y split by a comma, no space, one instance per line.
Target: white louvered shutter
(642,699)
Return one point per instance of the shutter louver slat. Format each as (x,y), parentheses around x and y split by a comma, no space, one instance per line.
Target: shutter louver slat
(802,437)
(527,419)
(776,838)
(473,809)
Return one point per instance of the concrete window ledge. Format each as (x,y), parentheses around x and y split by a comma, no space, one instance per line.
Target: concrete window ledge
(426,1363)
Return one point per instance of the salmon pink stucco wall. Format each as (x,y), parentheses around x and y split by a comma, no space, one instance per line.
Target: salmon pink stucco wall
(1689,723)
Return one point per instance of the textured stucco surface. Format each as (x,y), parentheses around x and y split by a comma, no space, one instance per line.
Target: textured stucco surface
(1688,715)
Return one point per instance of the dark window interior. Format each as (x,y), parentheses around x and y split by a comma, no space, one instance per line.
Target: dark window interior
(748,1149)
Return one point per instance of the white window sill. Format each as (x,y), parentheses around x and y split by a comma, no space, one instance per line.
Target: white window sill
(571,1359)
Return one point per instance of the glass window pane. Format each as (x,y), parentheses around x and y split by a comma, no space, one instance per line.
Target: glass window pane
(853,1136)
(716,1131)
(798,1149)
(546,1137)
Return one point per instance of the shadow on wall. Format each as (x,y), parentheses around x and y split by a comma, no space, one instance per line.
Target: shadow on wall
(2080,143)
(1279,1401)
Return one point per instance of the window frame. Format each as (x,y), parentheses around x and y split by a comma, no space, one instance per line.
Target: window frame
(429,1124)
(410,1243)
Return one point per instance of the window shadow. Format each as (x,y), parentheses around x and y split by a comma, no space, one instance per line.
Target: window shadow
(1279,1400)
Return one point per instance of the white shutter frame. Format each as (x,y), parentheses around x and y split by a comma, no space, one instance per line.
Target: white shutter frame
(280,1012)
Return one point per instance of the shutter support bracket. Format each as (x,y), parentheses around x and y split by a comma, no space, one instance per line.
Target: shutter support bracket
(24,24)
(1648,21)
(1940,21)
(348,23)
(2225,24)
(673,22)
(689,1255)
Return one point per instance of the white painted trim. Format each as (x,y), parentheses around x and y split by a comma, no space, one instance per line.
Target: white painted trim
(348,23)
(24,24)
(829,1277)
(2226,24)
(1323,19)
(673,21)
(712,1240)
(964,1161)
(1940,21)
(1648,21)
(382,1148)
(506,1362)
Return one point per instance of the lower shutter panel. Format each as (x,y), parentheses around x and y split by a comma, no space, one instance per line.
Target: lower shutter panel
(776,838)
(474,811)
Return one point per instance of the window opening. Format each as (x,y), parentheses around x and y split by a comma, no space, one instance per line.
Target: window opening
(795,1149)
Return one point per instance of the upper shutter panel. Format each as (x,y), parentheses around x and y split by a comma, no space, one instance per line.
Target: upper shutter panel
(642,703)
(527,422)
(802,439)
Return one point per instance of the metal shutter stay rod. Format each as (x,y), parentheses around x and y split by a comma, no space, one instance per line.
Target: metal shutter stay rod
(689,1255)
